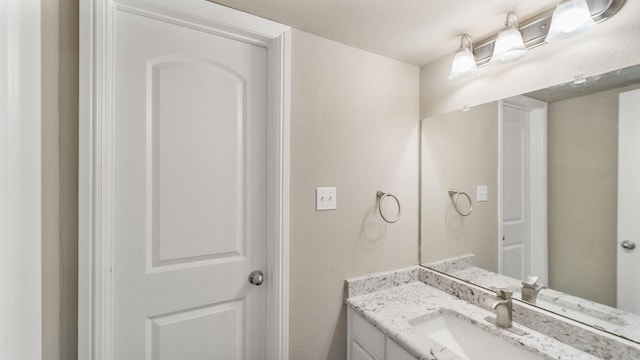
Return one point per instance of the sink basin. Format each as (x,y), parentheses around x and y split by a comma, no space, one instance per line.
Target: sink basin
(467,340)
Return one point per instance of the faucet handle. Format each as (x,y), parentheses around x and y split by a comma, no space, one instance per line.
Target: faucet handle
(530,281)
(502,293)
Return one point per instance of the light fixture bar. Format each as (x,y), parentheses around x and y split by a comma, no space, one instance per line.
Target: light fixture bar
(535,29)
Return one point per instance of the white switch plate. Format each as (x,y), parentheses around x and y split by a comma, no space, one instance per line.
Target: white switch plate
(326,198)
(482,193)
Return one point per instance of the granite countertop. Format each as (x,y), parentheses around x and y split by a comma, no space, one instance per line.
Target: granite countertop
(395,308)
(603,317)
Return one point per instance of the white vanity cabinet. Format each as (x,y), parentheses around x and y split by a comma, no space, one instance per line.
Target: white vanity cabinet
(396,352)
(365,342)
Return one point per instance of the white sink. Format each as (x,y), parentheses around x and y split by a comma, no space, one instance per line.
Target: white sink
(468,340)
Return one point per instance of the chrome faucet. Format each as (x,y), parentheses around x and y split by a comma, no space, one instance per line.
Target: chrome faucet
(530,289)
(503,306)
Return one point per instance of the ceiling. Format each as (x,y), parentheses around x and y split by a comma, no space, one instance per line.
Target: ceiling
(413,31)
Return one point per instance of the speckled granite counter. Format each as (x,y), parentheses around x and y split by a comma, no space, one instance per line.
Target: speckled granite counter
(617,322)
(394,310)
(604,317)
(394,301)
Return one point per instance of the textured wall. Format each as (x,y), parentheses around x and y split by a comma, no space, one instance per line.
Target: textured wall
(59,179)
(611,45)
(354,125)
(460,151)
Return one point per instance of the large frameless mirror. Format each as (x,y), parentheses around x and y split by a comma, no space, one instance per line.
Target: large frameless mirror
(553,180)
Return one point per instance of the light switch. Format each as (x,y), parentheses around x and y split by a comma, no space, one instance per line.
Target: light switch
(482,193)
(326,198)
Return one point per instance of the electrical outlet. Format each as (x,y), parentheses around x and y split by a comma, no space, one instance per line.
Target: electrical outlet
(326,198)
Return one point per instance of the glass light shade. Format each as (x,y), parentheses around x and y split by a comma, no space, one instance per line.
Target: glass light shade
(463,65)
(570,18)
(509,46)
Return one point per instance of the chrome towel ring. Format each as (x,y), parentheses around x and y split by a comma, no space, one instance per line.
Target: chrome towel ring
(381,196)
(454,195)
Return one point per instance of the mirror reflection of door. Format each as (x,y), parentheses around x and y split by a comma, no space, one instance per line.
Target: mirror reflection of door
(515,188)
(523,245)
(586,261)
(628,288)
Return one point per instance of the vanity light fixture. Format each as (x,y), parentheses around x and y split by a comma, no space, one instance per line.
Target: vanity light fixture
(464,63)
(531,33)
(509,44)
(570,18)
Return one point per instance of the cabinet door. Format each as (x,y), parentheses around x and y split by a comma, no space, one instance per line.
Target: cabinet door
(358,353)
(366,336)
(395,352)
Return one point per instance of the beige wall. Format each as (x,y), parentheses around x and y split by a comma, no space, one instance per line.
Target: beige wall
(354,125)
(583,178)
(59,179)
(460,151)
(611,45)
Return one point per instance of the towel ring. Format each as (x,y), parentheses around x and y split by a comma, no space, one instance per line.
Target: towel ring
(381,196)
(454,195)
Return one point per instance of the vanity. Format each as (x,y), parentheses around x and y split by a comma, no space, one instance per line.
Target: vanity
(541,190)
(418,313)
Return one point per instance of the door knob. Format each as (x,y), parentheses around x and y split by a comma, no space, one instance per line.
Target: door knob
(256,277)
(629,245)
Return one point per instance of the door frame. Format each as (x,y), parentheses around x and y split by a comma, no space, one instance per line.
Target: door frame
(626,296)
(21,179)
(539,250)
(96,140)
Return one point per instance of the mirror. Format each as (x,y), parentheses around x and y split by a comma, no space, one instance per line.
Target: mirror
(549,161)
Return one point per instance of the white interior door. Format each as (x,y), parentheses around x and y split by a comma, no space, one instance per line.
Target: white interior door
(515,193)
(629,201)
(523,247)
(190,122)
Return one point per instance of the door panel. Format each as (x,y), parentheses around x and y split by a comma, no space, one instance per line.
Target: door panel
(182,335)
(515,192)
(190,193)
(513,258)
(196,110)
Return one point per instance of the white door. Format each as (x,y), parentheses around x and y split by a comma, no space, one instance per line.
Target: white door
(515,193)
(190,193)
(523,188)
(629,201)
